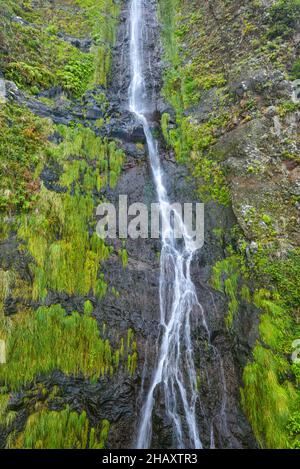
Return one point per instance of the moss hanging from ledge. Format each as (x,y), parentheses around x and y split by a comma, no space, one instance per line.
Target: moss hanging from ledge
(225,279)
(60,429)
(67,257)
(270,393)
(40,342)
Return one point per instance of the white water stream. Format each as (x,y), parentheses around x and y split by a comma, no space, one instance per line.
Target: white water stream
(175,369)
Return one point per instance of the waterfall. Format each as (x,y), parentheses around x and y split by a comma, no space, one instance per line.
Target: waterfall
(175,369)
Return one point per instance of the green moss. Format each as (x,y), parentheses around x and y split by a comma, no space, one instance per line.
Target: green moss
(225,279)
(88,160)
(165,119)
(6,417)
(183,84)
(246,294)
(124,256)
(268,398)
(275,325)
(6,279)
(132,356)
(38,61)
(132,363)
(74,346)
(287,106)
(129,338)
(283,18)
(296,70)
(63,429)
(67,257)
(23,148)
(294,430)
(88,308)
(103,435)
(281,274)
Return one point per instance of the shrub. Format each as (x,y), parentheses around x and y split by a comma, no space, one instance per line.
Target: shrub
(283,18)
(296,70)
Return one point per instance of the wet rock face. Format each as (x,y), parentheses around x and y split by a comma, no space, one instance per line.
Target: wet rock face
(137,307)
(110,398)
(83,44)
(218,410)
(219,396)
(152,64)
(259,177)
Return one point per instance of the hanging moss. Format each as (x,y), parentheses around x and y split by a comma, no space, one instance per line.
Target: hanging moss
(267,399)
(6,278)
(132,363)
(88,308)
(74,346)
(225,279)
(124,256)
(67,257)
(60,429)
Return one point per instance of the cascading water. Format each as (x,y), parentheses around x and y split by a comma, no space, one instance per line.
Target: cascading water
(175,369)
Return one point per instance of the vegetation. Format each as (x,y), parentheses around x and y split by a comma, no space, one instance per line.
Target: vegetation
(270,395)
(38,58)
(124,256)
(57,232)
(60,429)
(296,70)
(225,279)
(269,401)
(283,18)
(23,145)
(182,87)
(74,346)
